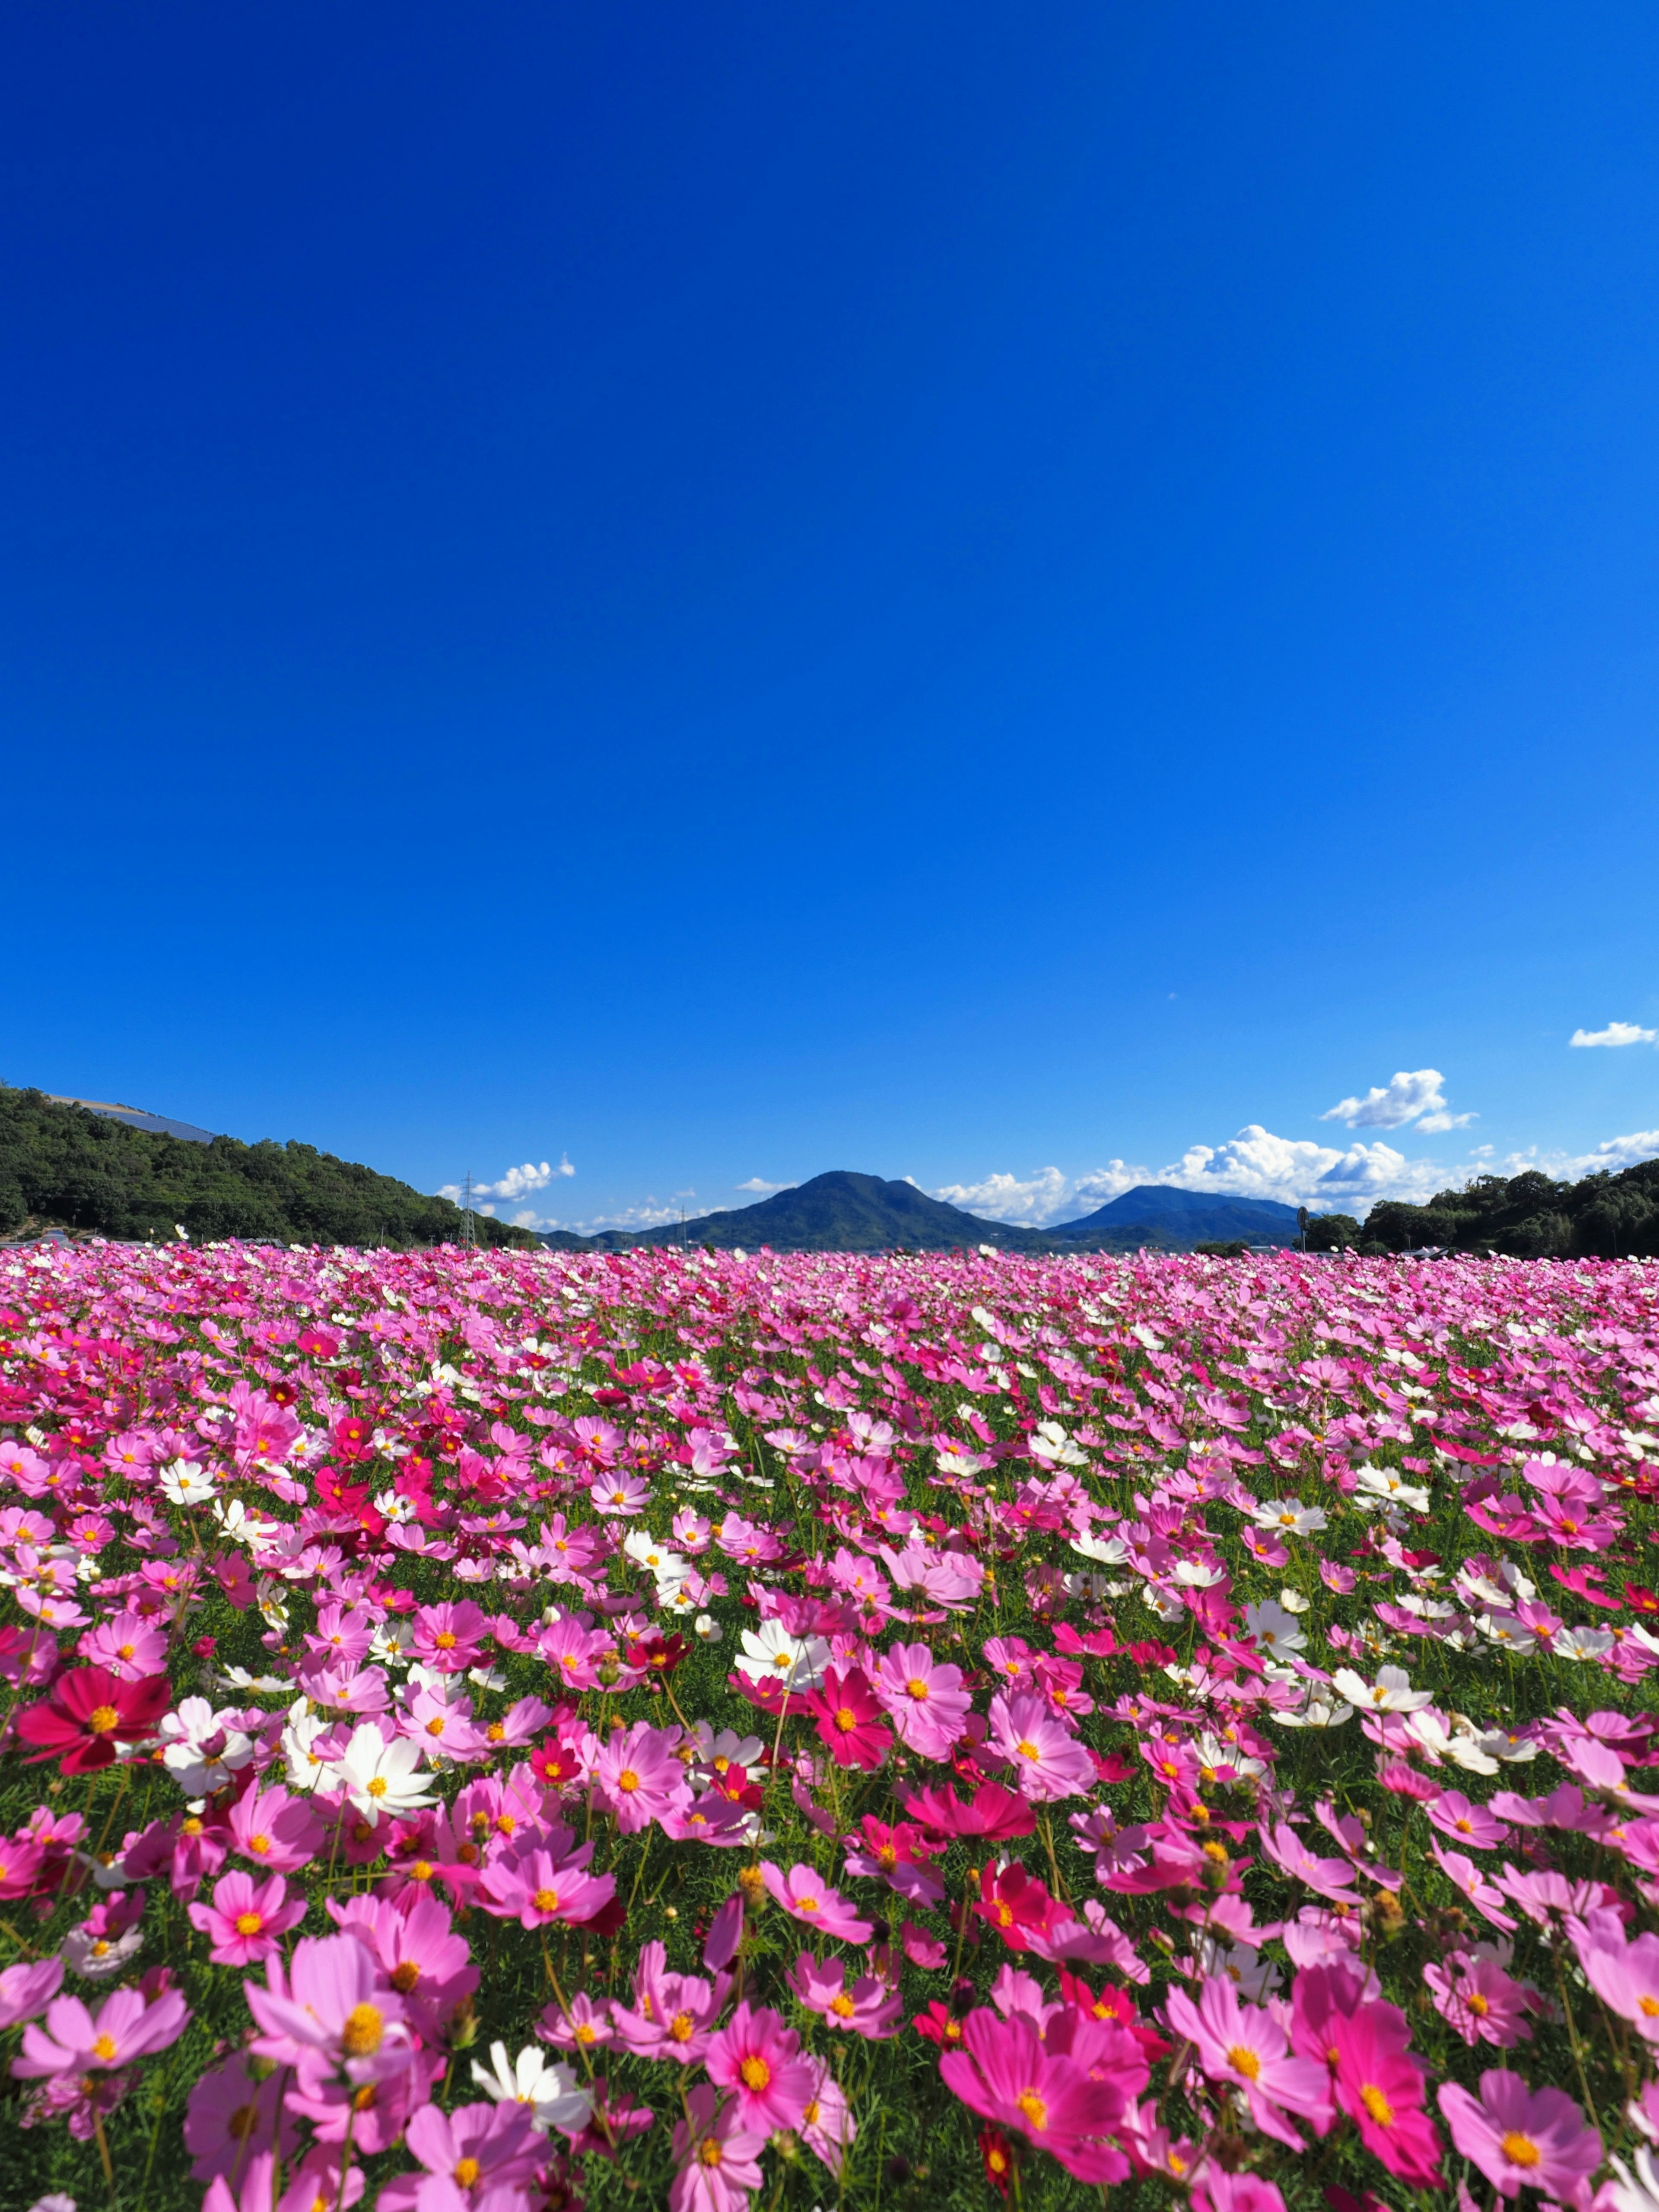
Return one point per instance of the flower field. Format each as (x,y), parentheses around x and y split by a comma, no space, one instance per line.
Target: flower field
(489,1733)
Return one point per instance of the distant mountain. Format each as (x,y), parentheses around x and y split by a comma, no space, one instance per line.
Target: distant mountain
(1156,1213)
(840,1211)
(843,1211)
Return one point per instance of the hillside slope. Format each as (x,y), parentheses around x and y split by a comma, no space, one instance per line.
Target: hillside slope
(1156,1213)
(63,1165)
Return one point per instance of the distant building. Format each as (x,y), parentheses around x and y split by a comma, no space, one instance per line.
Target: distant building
(135,1118)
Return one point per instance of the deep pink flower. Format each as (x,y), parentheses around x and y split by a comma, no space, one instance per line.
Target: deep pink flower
(26,1990)
(759,2060)
(1480,1999)
(1007,2074)
(1523,2138)
(89,1713)
(536,1888)
(810,1897)
(1625,1976)
(246,1919)
(672,2016)
(849,1718)
(1380,2088)
(230,2116)
(420,1954)
(1474,1825)
(130,1647)
(478,2149)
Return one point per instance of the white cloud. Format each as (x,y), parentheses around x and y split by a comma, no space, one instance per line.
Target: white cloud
(1298,1172)
(1619,1152)
(760,1187)
(1025,1201)
(517,1182)
(1615,1033)
(1405,1098)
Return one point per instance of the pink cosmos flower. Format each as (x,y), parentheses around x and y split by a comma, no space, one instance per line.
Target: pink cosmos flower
(332,2007)
(1325,1877)
(26,1990)
(890,1855)
(585,2027)
(809,1898)
(246,1919)
(1485,1896)
(826,2126)
(1380,2088)
(758,2059)
(130,1646)
(425,1961)
(1047,1761)
(481,2151)
(926,1700)
(73,2041)
(672,2016)
(1474,1825)
(278,1832)
(536,1888)
(869,2009)
(719,2156)
(316,2180)
(849,1718)
(1521,2138)
(1245,2046)
(1625,1976)
(1480,2000)
(623,1494)
(230,2116)
(448,1637)
(1004,2073)
(638,1778)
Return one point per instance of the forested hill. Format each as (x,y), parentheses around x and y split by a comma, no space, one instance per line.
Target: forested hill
(1530,1216)
(61,1165)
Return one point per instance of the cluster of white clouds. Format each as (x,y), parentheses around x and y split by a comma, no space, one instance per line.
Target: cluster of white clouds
(1616,1033)
(1408,1096)
(517,1182)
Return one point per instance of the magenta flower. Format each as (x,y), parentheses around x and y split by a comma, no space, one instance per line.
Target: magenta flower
(125,2028)
(869,2009)
(1523,2138)
(719,2155)
(638,1778)
(809,1898)
(1243,2044)
(535,1889)
(1380,2088)
(448,1637)
(927,1702)
(759,2060)
(278,1832)
(849,1718)
(246,1920)
(1486,1898)
(1007,2075)
(1047,1761)
(332,2008)
(130,1647)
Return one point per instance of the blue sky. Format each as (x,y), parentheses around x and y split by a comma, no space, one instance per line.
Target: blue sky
(995,596)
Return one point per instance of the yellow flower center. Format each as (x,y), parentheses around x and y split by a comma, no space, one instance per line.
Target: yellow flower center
(1376,2104)
(841,2006)
(102,1718)
(1244,2061)
(1027,1749)
(249,1923)
(1648,2006)
(242,2122)
(708,2152)
(846,1719)
(755,2073)
(546,1901)
(405,1975)
(916,1687)
(466,2172)
(260,1845)
(104,2048)
(1036,2112)
(376,1785)
(1521,2150)
(444,1639)
(363,2031)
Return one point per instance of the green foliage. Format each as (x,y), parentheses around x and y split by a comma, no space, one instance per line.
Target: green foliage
(1333,1232)
(62,1165)
(1530,1216)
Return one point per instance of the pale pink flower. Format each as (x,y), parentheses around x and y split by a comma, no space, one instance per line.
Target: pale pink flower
(1523,2138)
(719,2153)
(809,1898)
(638,1778)
(925,1701)
(1245,2046)
(1047,1761)
(246,1920)
(869,2007)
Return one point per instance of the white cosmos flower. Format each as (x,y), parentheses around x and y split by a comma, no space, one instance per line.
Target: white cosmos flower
(1382,1482)
(770,1653)
(644,1549)
(1050,1442)
(203,1748)
(1105,1550)
(1293,1602)
(186,1483)
(705,1628)
(545,2085)
(1441,1739)
(1321,1710)
(1289,1515)
(1391,1693)
(381,1778)
(1273,1629)
(1582,1642)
